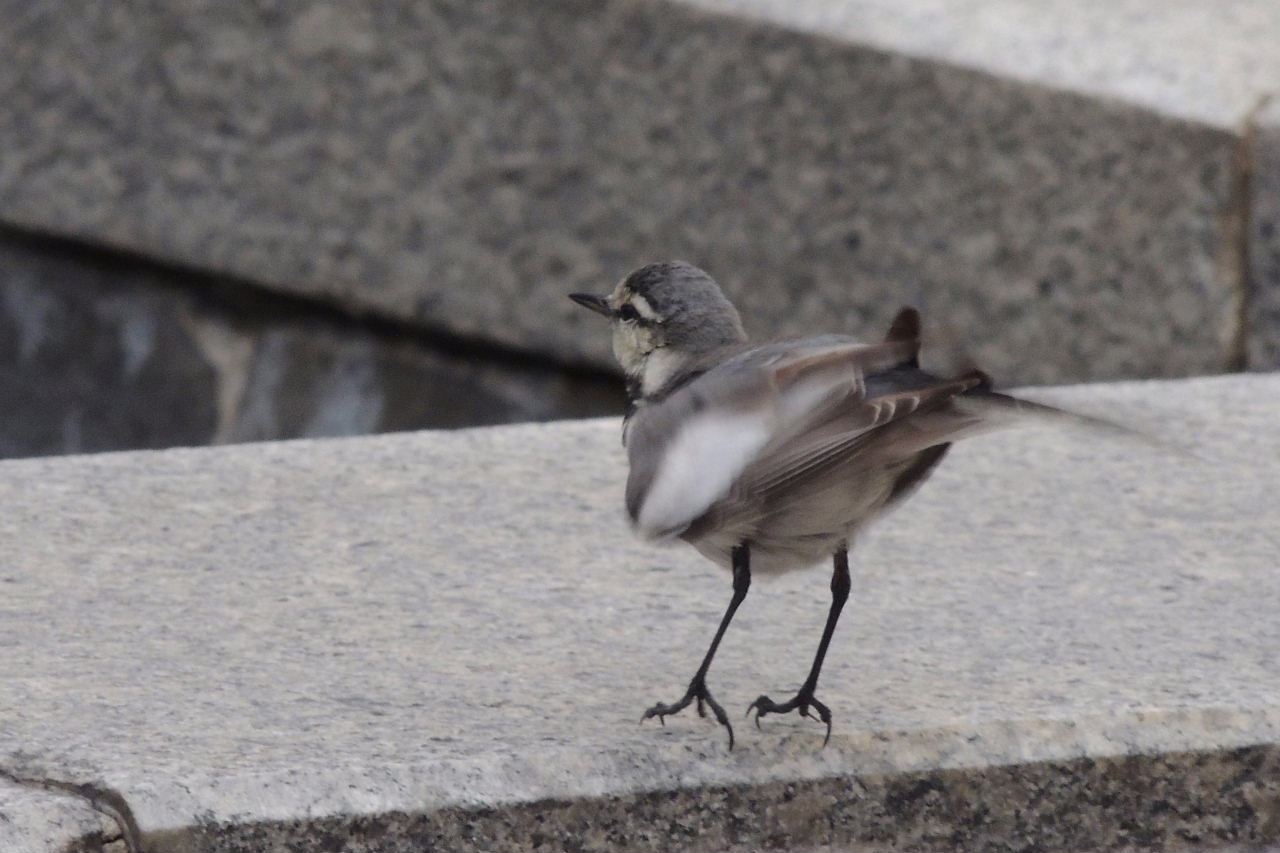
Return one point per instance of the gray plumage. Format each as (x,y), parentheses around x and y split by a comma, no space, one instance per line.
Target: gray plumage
(792,445)
(772,457)
(822,450)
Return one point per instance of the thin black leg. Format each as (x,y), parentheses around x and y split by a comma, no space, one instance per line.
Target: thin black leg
(698,686)
(804,698)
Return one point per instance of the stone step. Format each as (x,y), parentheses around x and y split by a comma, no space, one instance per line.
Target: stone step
(1068,192)
(446,639)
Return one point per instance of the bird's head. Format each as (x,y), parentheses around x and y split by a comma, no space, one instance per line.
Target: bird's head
(664,315)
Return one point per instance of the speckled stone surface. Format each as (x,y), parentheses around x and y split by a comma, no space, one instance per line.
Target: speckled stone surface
(447,638)
(1195,59)
(463,164)
(39,820)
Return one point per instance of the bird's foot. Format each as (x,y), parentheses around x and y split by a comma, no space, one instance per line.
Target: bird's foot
(697,691)
(804,701)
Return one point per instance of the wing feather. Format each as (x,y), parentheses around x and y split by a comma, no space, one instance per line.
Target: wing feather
(688,450)
(783,465)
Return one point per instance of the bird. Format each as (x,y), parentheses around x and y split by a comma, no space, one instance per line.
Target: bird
(771,457)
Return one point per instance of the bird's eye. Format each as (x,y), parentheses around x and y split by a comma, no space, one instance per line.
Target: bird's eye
(628,313)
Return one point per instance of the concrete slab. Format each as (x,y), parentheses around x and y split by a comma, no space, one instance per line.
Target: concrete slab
(447,639)
(1048,181)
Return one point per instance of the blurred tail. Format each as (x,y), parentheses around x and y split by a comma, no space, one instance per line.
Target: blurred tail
(1004,410)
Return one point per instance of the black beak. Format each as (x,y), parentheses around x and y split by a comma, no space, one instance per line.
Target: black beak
(595,303)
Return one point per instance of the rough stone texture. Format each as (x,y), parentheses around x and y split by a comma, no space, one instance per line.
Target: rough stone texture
(1065,641)
(462,165)
(1198,801)
(103,352)
(1201,61)
(1263,319)
(39,820)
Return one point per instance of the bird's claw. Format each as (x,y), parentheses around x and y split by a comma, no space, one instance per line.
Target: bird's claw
(804,702)
(655,711)
(697,691)
(661,711)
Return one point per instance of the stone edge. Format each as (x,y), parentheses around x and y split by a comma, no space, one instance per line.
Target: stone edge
(1261,250)
(1228,796)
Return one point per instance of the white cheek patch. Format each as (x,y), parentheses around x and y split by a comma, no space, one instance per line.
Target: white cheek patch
(699,465)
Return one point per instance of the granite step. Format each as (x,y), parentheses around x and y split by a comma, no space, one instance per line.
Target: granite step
(445,640)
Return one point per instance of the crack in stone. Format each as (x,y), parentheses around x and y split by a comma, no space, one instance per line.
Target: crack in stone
(103,800)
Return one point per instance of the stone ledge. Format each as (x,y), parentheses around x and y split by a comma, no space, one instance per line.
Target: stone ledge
(389,641)
(461,165)
(39,820)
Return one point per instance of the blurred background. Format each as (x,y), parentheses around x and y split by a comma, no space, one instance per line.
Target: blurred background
(228,222)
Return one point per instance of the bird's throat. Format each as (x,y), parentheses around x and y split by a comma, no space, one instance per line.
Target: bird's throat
(657,370)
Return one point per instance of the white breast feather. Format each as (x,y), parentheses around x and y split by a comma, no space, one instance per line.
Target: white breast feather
(659,367)
(697,469)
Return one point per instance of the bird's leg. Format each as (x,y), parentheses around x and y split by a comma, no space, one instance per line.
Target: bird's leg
(804,698)
(698,686)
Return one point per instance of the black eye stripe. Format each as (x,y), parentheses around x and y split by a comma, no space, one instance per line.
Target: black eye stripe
(628,313)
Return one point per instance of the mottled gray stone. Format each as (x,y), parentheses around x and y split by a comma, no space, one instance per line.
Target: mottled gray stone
(1263,319)
(33,820)
(446,639)
(463,164)
(1224,802)
(1199,60)
(104,352)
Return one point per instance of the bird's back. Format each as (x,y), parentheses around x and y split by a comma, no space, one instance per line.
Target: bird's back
(790,446)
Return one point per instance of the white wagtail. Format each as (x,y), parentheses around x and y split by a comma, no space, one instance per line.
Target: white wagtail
(772,457)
